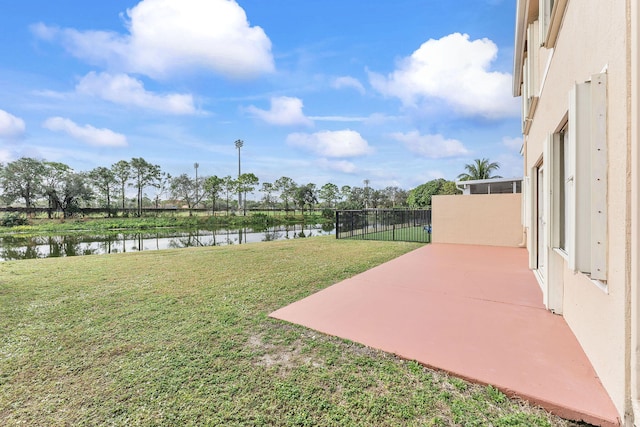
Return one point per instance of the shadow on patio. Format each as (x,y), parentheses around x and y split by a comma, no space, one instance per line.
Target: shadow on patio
(473,311)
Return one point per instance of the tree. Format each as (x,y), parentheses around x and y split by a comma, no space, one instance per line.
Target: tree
(420,197)
(229,185)
(54,177)
(345,192)
(479,169)
(329,193)
(306,195)
(144,174)
(395,196)
(355,198)
(376,198)
(213,186)
(450,188)
(70,192)
(104,180)
(247,182)
(286,186)
(22,179)
(162,185)
(122,172)
(183,188)
(267,189)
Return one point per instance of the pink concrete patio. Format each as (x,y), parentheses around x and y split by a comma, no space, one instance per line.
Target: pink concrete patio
(473,311)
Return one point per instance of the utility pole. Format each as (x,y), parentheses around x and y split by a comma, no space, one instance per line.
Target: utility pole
(196,166)
(366,194)
(239,143)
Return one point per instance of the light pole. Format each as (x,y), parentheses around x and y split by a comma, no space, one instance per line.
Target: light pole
(239,143)
(196,166)
(366,194)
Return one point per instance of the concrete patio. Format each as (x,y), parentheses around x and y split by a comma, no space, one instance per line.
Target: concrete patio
(473,311)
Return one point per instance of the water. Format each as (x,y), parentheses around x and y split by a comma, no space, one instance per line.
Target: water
(16,247)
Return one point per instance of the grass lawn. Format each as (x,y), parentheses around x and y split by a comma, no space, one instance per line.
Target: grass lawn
(182,337)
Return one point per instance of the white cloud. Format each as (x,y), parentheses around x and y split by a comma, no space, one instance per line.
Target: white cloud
(512,143)
(284,111)
(430,146)
(342,143)
(348,82)
(87,134)
(455,70)
(373,119)
(339,118)
(166,37)
(343,166)
(10,125)
(125,90)
(5,156)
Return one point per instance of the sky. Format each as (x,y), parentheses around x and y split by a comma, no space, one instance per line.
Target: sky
(394,92)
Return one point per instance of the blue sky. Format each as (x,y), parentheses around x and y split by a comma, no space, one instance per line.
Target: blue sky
(396,92)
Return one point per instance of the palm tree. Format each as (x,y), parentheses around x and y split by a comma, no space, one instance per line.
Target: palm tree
(479,169)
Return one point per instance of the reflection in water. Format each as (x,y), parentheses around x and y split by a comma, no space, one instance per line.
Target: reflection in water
(16,247)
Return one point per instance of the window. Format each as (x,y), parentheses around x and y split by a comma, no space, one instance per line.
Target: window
(551,13)
(562,191)
(566,186)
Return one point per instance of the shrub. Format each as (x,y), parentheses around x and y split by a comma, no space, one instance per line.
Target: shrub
(328,213)
(13,219)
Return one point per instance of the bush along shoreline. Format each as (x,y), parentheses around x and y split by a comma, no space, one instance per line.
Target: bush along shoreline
(12,223)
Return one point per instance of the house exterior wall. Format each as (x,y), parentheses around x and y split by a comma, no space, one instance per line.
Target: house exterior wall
(477,219)
(593,39)
(634,291)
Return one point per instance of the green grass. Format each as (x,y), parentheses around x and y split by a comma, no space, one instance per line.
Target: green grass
(182,337)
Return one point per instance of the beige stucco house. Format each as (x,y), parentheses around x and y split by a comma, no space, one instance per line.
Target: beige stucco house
(577,71)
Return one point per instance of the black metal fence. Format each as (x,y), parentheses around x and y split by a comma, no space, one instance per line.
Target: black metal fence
(384,224)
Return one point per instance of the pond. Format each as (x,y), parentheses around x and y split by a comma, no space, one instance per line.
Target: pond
(16,246)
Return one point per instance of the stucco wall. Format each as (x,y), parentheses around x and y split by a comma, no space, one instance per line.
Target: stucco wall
(592,39)
(477,219)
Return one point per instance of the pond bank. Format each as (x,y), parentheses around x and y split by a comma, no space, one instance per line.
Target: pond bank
(28,245)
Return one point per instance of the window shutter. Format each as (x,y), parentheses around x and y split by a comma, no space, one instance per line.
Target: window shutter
(530,74)
(588,161)
(599,214)
(580,164)
(544,16)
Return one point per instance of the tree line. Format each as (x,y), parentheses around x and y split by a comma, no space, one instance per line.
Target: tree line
(57,187)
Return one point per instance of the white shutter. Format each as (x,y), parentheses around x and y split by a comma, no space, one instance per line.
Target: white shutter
(588,161)
(599,185)
(544,16)
(580,164)
(530,76)
(533,52)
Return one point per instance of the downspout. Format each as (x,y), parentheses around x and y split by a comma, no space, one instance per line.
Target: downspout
(523,243)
